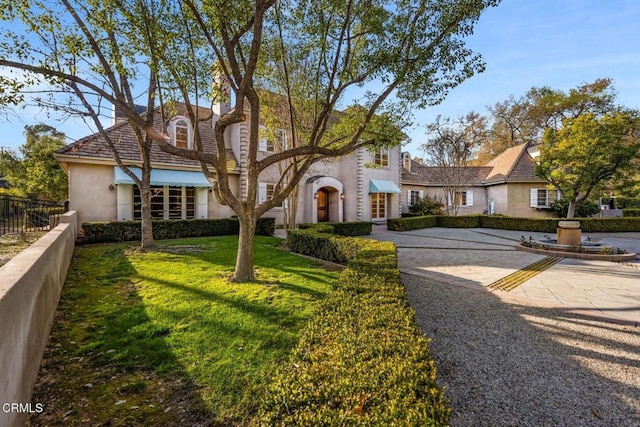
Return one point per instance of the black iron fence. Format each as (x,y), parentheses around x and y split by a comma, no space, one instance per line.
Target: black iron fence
(19,214)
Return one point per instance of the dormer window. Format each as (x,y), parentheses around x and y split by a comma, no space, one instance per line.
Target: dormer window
(406,161)
(181,132)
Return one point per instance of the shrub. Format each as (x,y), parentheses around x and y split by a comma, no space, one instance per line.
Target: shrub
(353,228)
(633,212)
(463,221)
(627,202)
(124,231)
(361,360)
(427,206)
(411,223)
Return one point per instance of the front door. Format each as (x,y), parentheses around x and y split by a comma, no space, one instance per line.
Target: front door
(323,205)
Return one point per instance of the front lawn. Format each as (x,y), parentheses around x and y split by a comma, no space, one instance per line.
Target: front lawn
(161,338)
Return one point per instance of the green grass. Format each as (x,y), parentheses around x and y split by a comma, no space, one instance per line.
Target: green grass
(161,338)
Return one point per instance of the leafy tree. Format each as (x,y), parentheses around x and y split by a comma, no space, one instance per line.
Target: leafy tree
(587,151)
(585,209)
(524,120)
(35,173)
(312,53)
(451,147)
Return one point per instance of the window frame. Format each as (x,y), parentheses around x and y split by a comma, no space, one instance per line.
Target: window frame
(381,157)
(173,131)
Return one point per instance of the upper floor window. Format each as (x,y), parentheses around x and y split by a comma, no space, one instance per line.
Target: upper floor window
(406,161)
(267,143)
(181,132)
(381,157)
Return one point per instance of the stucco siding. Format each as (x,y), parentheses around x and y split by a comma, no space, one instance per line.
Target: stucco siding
(90,194)
(519,196)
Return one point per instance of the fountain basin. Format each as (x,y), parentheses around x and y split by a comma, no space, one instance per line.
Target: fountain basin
(585,250)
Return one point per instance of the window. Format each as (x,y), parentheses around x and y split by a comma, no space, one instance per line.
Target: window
(381,157)
(266,144)
(406,161)
(413,196)
(181,132)
(265,191)
(378,206)
(167,202)
(543,198)
(464,198)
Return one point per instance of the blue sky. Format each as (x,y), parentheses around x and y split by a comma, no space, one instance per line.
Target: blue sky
(525,43)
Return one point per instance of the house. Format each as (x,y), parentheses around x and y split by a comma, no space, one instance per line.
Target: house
(360,186)
(506,185)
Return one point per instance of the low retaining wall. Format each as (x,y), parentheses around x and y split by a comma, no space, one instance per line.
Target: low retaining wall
(30,287)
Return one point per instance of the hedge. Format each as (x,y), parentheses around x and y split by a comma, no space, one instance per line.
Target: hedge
(124,231)
(411,223)
(361,360)
(543,225)
(631,212)
(352,228)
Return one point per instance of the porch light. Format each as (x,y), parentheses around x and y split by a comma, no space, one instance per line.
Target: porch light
(342,196)
(315,195)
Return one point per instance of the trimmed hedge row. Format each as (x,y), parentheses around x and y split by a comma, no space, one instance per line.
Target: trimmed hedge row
(353,228)
(124,231)
(361,360)
(411,223)
(631,212)
(543,225)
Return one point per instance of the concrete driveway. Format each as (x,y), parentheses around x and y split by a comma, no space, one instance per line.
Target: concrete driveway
(478,258)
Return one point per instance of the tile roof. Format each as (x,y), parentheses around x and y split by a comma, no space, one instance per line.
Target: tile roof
(123,137)
(434,175)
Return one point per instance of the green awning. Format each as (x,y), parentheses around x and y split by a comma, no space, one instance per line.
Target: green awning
(171,178)
(380,186)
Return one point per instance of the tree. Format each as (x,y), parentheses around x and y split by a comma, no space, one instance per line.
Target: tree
(587,151)
(524,120)
(35,173)
(312,53)
(451,147)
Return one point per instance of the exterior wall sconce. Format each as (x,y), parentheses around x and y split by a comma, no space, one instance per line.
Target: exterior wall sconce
(342,196)
(111,187)
(315,195)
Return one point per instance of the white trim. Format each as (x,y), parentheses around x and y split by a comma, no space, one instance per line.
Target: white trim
(124,202)
(172,130)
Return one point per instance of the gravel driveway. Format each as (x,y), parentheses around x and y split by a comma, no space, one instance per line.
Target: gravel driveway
(505,362)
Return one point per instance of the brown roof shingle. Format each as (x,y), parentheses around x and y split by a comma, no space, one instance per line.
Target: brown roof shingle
(123,137)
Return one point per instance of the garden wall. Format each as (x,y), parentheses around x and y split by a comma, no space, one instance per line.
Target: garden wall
(29,292)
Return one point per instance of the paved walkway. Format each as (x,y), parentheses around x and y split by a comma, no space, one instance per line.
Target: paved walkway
(478,257)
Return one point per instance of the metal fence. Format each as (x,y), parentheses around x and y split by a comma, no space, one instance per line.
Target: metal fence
(19,214)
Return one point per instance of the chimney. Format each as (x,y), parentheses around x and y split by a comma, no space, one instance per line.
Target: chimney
(221,96)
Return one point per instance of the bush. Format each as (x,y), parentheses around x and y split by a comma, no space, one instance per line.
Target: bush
(361,360)
(411,223)
(353,228)
(463,221)
(627,202)
(633,212)
(585,209)
(543,225)
(427,206)
(124,231)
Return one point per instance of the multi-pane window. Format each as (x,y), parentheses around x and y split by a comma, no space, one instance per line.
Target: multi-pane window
(167,202)
(414,196)
(267,144)
(543,198)
(378,206)
(381,157)
(464,198)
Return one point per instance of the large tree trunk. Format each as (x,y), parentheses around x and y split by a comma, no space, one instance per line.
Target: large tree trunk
(244,257)
(147,242)
(571,211)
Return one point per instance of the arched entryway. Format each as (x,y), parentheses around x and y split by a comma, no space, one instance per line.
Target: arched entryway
(324,199)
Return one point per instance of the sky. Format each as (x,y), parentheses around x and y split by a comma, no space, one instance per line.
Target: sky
(525,43)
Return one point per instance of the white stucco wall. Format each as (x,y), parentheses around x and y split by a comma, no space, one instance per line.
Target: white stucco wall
(89,192)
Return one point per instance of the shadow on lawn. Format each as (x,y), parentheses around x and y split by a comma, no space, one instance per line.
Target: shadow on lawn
(106,363)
